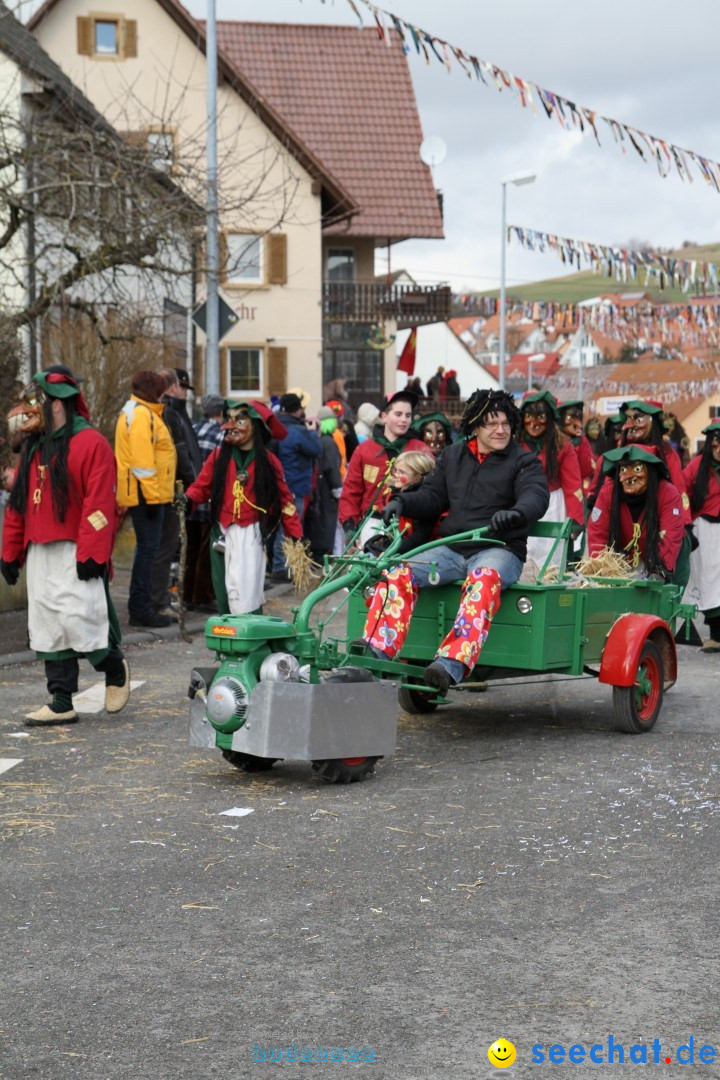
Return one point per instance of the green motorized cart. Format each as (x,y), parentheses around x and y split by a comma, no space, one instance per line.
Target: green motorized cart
(294,689)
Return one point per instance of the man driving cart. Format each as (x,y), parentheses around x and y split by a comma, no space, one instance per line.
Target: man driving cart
(486,479)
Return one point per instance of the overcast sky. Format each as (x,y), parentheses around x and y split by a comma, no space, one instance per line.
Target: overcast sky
(648,63)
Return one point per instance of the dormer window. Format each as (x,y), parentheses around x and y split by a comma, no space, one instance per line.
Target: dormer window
(106,37)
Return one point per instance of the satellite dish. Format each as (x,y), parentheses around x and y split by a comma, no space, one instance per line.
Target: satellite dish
(433,150)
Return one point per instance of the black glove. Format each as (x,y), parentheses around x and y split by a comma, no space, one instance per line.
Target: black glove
(506,520)
(10,570)
(393,509)
(89,569)
(376,545)
(151,509)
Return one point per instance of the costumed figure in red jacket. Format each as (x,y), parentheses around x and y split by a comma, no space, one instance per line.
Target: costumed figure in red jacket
(369,468)
(249,499)
(644,426)
(638,513)
(485,479)
(571,424)
(702,477)
(542,435)
(60,523)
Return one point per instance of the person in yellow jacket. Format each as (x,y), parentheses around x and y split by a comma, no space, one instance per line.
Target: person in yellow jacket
(145,454)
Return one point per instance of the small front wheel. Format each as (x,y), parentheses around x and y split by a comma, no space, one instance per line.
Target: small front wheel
(637,707)
(248,762)
(345,770)
(417,701)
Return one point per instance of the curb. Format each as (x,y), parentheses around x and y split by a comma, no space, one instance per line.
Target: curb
(137,637)
(143,637)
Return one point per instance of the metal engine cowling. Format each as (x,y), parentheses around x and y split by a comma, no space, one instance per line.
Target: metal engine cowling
(227,703)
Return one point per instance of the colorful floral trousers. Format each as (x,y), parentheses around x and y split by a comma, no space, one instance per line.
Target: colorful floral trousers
(392,605)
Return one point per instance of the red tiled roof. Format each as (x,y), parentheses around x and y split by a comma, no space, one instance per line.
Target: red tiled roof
(351,101)
(516,366)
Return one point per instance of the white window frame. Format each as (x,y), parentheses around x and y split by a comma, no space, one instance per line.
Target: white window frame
(260,391)
(246,239)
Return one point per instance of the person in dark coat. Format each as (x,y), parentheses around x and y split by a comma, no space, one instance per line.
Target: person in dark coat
(189,463)
(322,515)
(486,479)
(298,453)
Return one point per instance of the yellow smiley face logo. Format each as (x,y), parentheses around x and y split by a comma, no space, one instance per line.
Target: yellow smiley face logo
(501,1054)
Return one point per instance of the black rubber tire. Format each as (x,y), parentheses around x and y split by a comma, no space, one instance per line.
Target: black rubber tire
(636,713)
(415,701)
(248,762)
(337,771)
(352,770)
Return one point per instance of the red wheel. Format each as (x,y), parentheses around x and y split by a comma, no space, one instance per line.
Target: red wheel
(637,707)
(344,770)
(353,760)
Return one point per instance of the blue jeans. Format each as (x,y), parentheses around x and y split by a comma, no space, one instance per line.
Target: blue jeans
(148,531)
(452,566)
(278,559)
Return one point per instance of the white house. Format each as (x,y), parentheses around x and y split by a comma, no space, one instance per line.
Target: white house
(439,346)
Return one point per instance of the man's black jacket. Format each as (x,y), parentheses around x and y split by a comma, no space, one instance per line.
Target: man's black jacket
(189,455)
(470,492)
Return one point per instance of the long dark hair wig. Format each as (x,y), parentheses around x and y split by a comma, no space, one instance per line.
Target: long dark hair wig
(653,561)
(553,442)
(702,477)
(53,456)
(656,437)
(267,492)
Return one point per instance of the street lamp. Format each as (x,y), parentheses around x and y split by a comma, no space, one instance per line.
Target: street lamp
(518,181)
(536,358)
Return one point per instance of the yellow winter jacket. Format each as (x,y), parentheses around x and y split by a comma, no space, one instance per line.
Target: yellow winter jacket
(145,454)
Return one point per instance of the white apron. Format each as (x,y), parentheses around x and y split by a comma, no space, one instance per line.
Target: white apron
(703,587)
(245,566)
(63,611)
(538,547)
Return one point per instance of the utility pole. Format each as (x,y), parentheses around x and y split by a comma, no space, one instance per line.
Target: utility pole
(212,372)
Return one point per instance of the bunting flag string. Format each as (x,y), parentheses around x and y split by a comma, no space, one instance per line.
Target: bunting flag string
(680,328)
(622,264)
(569,114)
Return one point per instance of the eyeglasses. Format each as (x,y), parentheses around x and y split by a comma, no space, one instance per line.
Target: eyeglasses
(499,425)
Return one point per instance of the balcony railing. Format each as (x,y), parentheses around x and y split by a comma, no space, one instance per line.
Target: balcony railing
(407,305)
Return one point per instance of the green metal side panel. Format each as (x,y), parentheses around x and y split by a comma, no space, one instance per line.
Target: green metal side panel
(565,630)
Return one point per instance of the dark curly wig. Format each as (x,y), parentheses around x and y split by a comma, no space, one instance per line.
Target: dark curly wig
(484,403)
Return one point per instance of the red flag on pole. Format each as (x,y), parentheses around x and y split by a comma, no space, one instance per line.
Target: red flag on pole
(406,362)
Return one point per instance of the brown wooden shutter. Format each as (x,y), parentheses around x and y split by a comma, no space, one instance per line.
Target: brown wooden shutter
(198,372)
(224,371)
(277,370)
(84,35)
(277,258)
(130,37)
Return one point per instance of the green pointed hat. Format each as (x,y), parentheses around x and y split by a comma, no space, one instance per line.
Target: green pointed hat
(642,406)
(632,452)
(419,423)
(541,396)
(563,405)
(54,385)
(712,428)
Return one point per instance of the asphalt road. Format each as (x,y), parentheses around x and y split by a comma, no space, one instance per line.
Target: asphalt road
(518,870)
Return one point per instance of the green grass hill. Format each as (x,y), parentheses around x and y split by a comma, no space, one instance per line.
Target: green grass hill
(571,288)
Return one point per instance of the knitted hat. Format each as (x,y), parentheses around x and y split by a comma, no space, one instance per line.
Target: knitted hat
(326,413)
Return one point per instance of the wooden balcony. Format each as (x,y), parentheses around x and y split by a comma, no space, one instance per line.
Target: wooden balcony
(407,305)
